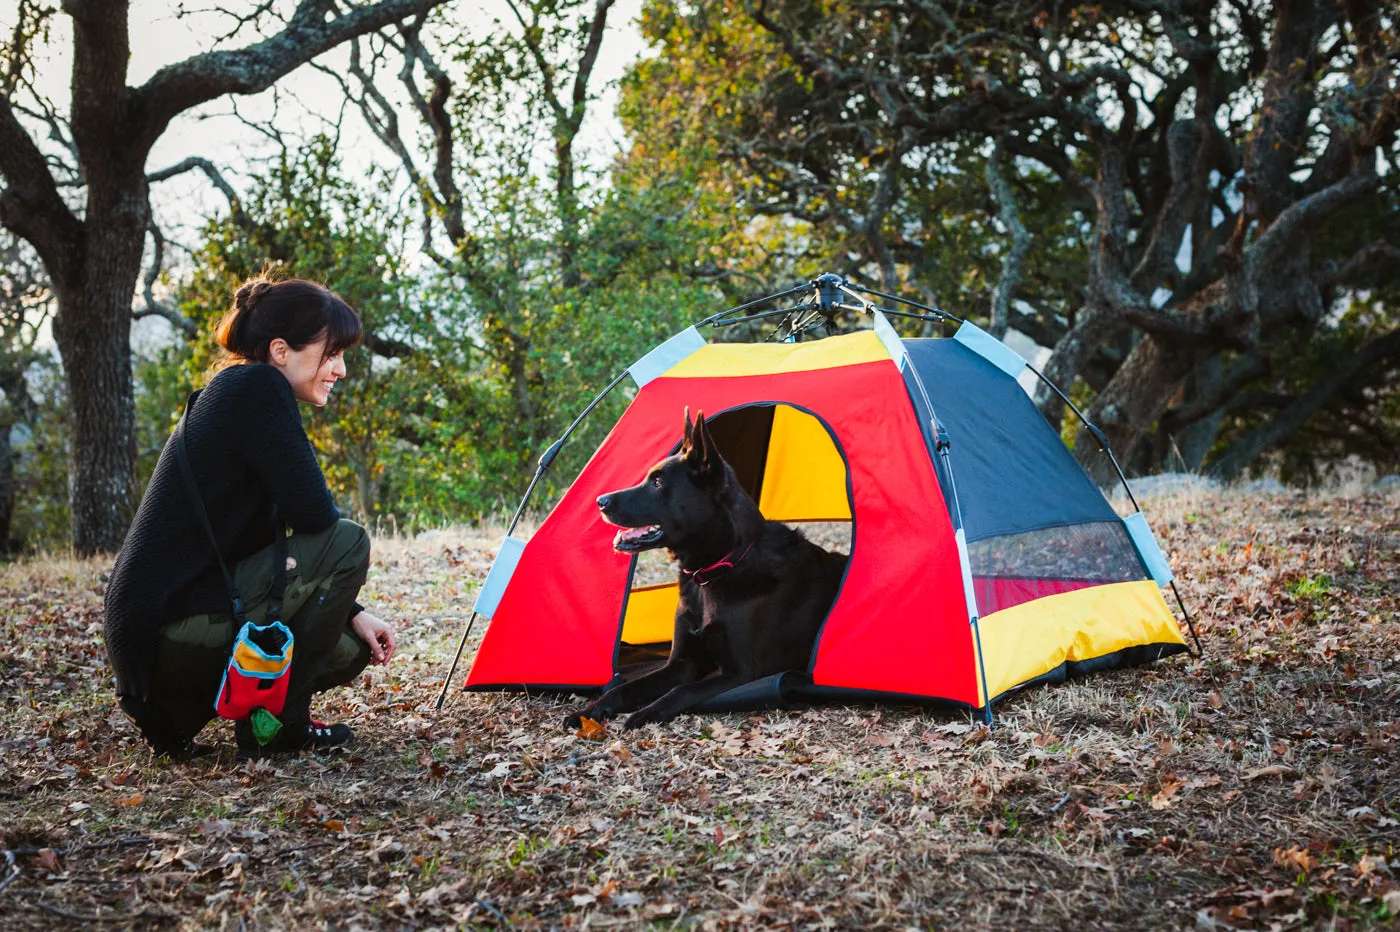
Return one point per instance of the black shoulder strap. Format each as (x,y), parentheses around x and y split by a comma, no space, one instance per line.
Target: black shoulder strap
(279,568)
(197,501)
(279,543)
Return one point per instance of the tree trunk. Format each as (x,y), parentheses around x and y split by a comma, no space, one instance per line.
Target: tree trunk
(1096,326)
(1247,449)
(1131,402)
(1194,441)
(566,196)
(93,332)
(7,487)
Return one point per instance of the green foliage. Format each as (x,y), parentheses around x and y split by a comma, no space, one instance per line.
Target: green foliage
(393,421)
(41,520)
(492,356)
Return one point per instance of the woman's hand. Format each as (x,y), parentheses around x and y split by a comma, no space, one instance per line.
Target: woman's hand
(378,634)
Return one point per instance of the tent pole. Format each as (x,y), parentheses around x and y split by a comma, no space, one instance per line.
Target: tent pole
(447,680)
(757,301)
(546,458)
(1200,652)
(1093,429)
(943,444)
(893,297)
(762,314)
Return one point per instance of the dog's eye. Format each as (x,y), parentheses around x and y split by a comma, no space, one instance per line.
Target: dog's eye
(656,482)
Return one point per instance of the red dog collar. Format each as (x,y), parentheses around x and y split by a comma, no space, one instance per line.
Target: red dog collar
(705,575)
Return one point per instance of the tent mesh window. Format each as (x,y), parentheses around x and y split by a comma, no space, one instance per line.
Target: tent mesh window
(1010,569)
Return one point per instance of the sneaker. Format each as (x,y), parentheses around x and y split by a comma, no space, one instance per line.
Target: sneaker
(323,737)
(313,736)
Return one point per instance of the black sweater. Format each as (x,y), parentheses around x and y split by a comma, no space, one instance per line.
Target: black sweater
(248,451)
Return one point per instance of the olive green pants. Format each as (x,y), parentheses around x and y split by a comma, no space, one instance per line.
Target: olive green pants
(325,573)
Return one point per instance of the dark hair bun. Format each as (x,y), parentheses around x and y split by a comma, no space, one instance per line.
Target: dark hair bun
(297,311)
(253,289)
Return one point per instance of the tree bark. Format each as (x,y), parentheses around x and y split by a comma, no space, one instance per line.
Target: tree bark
(1128,406)
(94,262)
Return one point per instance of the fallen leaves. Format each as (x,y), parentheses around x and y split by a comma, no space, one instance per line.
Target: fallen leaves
(1249,789)
(1163,797)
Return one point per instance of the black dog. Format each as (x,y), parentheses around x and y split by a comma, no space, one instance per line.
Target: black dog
(753,592)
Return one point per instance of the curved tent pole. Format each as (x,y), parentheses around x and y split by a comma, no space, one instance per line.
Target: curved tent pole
(546,458)
(1103,445)
(754,303)
(939,313)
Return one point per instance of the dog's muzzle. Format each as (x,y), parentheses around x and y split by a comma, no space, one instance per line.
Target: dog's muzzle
(633,539)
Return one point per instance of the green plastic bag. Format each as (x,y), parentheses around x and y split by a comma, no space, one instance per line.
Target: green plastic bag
(266,726)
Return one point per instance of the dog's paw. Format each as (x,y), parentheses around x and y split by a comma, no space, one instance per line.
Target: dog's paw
(639,719)
(575,722)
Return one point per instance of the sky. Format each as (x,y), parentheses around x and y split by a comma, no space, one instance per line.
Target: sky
(167,31)
(163,32)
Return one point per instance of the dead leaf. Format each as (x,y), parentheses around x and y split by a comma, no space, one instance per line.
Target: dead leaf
(1273,770)
(333,825)
(591,730)
(48,861)
(1163,797)
(126,802)
(1295,859)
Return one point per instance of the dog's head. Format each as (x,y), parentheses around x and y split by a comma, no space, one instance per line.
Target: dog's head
(683,501)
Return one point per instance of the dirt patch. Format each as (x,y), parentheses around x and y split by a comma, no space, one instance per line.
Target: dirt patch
(1255,788)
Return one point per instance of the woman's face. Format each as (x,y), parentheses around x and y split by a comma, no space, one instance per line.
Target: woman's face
(311,372)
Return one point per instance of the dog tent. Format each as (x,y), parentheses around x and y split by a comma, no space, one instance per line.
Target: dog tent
(983,558)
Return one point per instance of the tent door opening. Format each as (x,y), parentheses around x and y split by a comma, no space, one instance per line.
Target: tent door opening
(787,461)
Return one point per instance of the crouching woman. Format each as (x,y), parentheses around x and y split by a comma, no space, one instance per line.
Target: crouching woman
(169,623)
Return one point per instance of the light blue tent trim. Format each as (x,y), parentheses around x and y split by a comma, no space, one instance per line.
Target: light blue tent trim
(502,569)
(665,356)
(1148,549)
(246,634)
(886,332)
(990,348)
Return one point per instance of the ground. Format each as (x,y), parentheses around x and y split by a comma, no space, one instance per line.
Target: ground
(1256,788)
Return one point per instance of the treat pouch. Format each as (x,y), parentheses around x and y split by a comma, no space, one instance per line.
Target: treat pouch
(258,673)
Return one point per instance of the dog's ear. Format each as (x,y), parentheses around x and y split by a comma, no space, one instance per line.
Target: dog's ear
(704,457)
(685,437)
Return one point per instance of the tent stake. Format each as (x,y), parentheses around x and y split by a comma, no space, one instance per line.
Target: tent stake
(1200,651)
(447,680)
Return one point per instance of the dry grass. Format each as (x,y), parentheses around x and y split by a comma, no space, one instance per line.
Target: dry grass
(1256,788)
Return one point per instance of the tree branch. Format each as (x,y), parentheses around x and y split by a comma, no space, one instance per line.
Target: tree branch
(590,56)
(1013,261)
(434,112)
(1372,254)
(200,78)
(1305,215)
(216,178)
(1248,448)
(30,205)
(157,308)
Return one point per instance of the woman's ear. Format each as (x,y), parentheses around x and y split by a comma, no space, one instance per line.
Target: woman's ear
(277,351)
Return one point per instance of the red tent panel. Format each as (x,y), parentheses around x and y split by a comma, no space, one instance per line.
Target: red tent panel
(900,624)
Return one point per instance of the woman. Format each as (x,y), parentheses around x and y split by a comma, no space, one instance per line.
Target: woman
(169,625)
